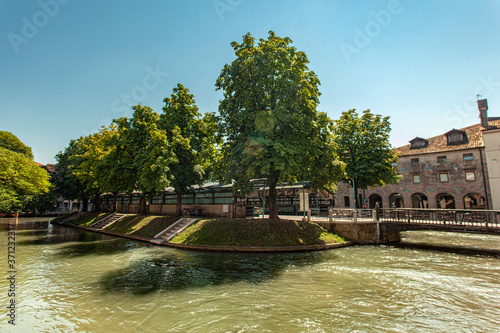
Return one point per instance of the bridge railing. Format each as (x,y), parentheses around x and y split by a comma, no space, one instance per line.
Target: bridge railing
(465,217)
(348,214)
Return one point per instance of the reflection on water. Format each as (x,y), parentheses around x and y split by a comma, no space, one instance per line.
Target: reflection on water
(186,271)
(75,281)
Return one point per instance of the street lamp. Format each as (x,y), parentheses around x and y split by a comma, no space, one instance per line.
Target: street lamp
(353,191)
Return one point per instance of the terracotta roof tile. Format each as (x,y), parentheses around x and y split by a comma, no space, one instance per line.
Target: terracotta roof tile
(440,143)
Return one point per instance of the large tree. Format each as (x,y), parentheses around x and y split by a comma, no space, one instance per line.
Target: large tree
(21,179)
(89,162)
(192,138)
(67,184)
(270,121)
(363,145)
(11,142)
(145,154)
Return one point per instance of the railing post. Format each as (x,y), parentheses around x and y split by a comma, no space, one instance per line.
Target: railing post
(355,216)
(374,215)
(330,215)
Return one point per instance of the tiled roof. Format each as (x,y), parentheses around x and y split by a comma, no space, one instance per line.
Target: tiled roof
(440,143)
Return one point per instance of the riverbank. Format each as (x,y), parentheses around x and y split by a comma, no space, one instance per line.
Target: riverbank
(239,235)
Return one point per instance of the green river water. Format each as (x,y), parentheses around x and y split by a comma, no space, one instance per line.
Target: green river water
(67,280)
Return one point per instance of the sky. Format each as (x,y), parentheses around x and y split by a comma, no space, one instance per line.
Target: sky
(68,67)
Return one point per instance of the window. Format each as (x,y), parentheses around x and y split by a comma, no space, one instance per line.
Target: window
(456,137)
(468,157)
(187,198)
(441,159)
(419,143)
(416,179)
(204,198)
(135,200)
(443,176)
(470,175)
(347,202)
(170,199)
(157,199)
(414,161)
(224,197)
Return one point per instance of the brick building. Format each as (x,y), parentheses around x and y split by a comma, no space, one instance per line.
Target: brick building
(445,171)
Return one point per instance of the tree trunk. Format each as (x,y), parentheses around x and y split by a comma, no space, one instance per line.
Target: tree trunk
(115,202)
(142,205)
(356,197)
(178,207)
(273,198)
(97,202)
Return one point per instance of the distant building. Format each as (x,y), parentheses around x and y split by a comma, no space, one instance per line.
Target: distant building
(491,138)
(456,170)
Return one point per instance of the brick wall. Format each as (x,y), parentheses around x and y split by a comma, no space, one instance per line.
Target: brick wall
(429,169)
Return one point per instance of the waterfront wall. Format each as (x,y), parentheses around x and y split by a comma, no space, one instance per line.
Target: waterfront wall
(366,232)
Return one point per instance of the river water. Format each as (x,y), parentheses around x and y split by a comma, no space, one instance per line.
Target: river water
(67,280)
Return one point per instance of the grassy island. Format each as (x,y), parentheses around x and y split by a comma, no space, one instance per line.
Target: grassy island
(220,231)
(259,232)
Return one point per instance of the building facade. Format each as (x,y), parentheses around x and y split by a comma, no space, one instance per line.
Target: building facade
(491,138)
(448,171)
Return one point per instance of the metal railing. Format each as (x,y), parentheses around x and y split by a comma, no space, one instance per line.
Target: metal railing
(348,214)
(457,217)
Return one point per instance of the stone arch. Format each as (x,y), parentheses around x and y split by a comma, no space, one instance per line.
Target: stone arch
(396,201)
(474,201)
(445,201)
(373,199)
(419,200)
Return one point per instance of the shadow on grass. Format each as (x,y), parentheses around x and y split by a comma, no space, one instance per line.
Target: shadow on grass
(190,270)
(142,225)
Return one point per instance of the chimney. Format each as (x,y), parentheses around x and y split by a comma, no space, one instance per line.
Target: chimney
(482,105)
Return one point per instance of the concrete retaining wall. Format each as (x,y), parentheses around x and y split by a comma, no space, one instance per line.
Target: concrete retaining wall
(361,232)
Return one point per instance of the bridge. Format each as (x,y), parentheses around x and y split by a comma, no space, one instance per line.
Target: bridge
(367,226)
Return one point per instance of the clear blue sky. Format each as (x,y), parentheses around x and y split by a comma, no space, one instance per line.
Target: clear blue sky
(67,66)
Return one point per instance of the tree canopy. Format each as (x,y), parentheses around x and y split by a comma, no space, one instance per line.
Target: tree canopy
(363,145)
(192,138)
(21,180)
(11,142)
(146,154)
(269,118)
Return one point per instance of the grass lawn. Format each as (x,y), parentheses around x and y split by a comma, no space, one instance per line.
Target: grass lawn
(87,219)
(62,217)
(142,225)
(243,232)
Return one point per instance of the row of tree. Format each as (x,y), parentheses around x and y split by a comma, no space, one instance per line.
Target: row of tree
(268,126)
(147,152)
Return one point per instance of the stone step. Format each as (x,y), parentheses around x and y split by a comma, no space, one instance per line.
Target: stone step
(175,228)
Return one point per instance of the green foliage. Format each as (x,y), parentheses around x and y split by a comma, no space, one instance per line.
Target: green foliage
(243,232)
(21,180)
(66,182)
(10,142)
(42,203)
(88,219)
(363,145)
(270,121)
(192,138)
(145,150)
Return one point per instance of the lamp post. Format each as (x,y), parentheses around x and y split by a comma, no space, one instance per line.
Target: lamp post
(353,191)
(304,197)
